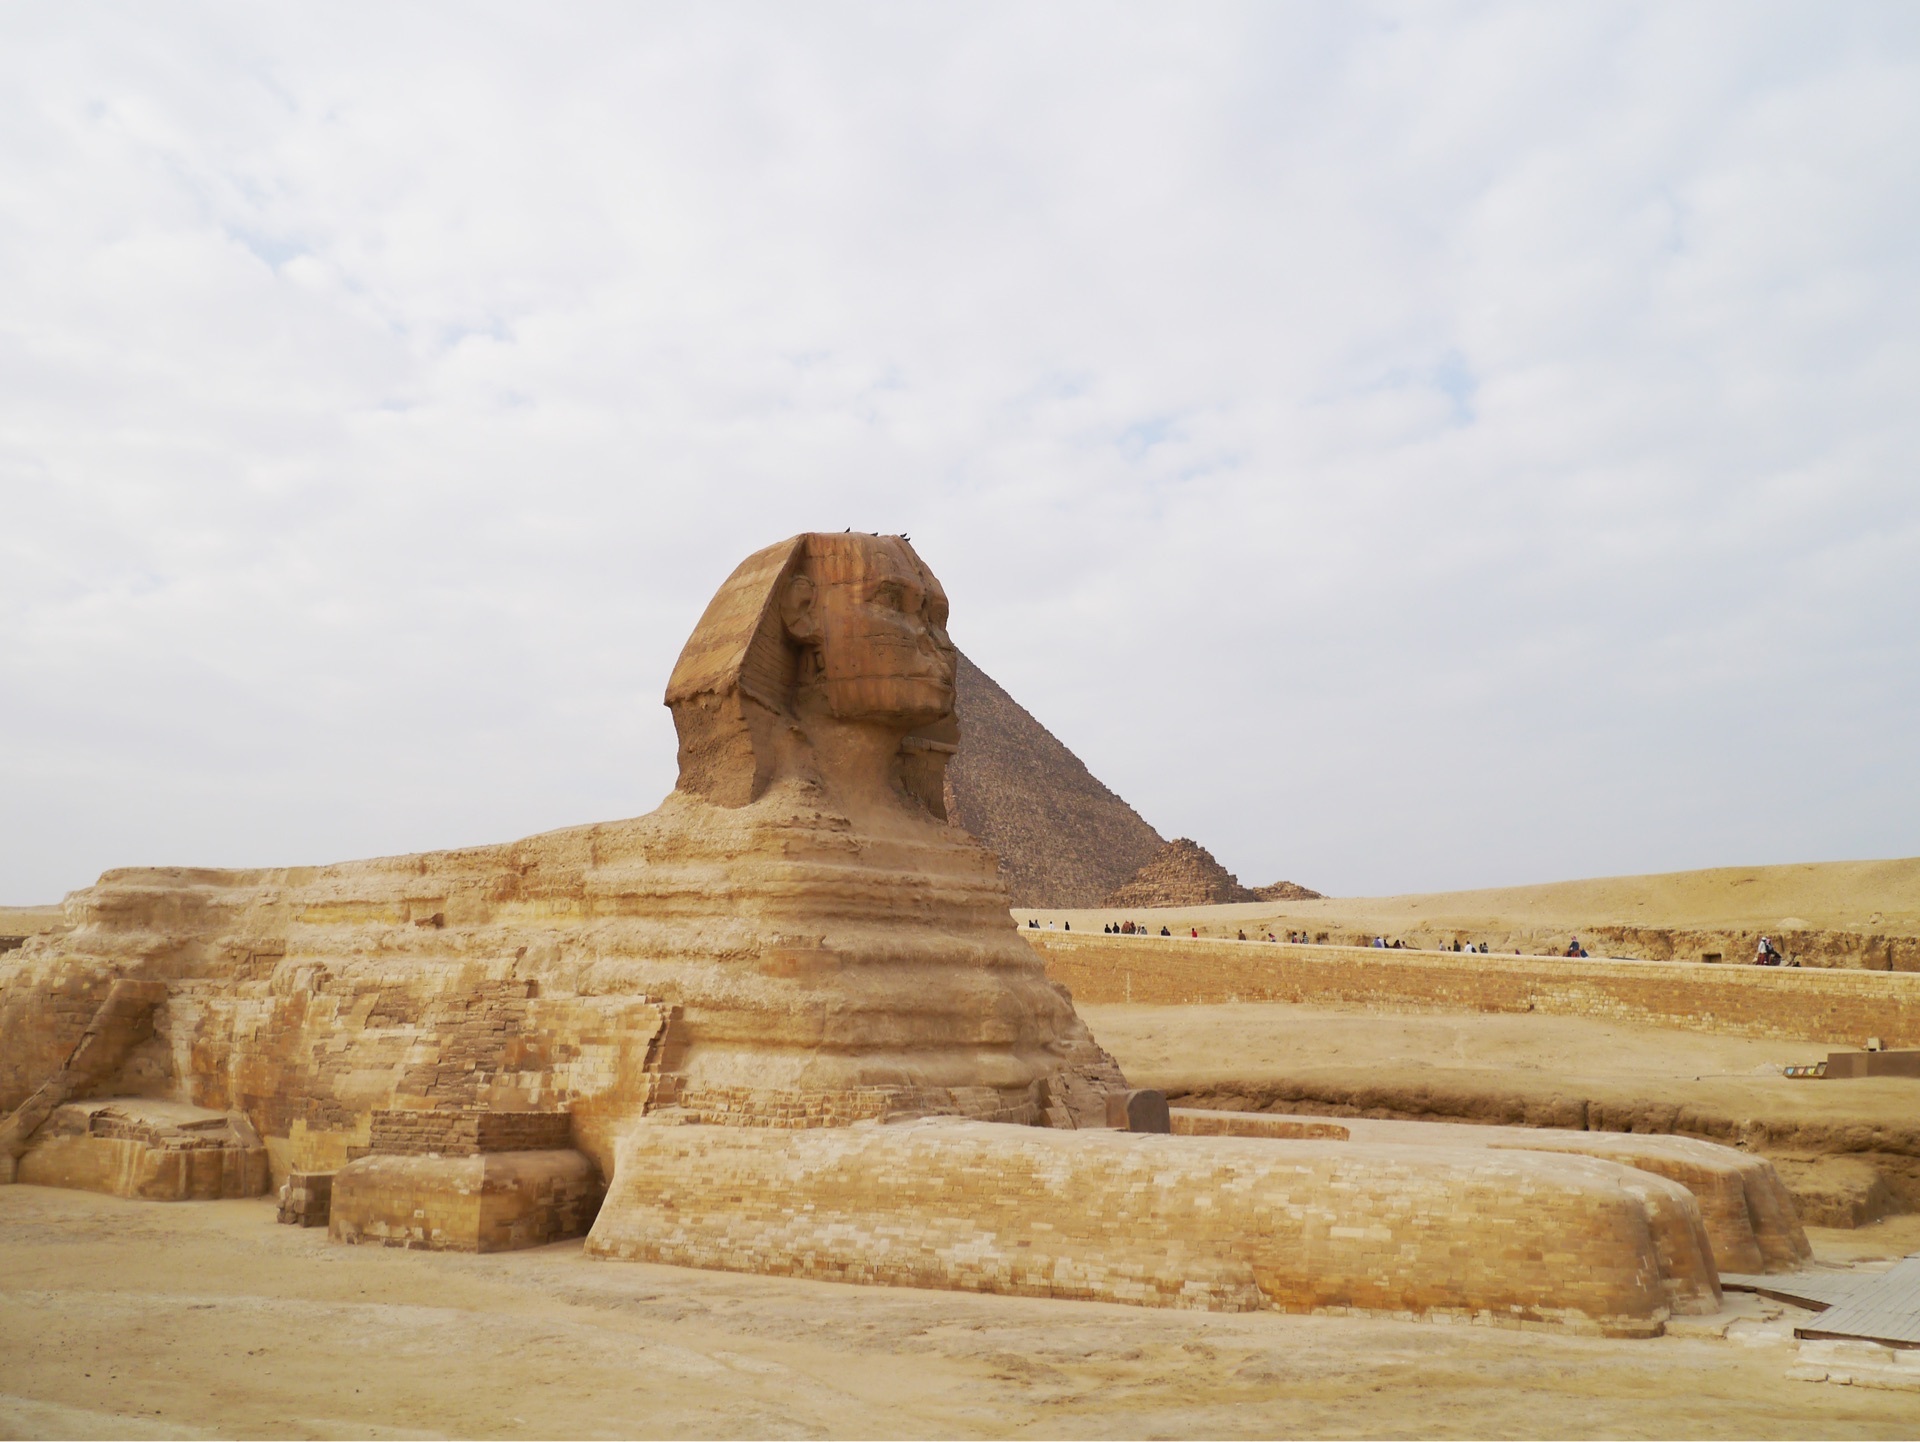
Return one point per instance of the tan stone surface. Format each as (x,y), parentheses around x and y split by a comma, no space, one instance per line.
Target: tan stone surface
(155,1151)
(1749,1216)
(1206,1222)
(481,1202)
(124,1320)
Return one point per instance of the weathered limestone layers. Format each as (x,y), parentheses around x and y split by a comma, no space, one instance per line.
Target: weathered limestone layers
(1216,1223)
(794,938)
(1748,1213)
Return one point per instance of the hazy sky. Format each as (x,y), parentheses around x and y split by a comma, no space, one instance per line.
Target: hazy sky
(1400,447)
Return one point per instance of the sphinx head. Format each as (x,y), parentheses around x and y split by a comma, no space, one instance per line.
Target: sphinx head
(821,632)
(871,624)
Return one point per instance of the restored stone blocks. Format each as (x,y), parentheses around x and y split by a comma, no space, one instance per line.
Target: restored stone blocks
(458,1132)
(483,1202)
(152,1150)
(1745,1207)
(1221,1223)
(306,1199)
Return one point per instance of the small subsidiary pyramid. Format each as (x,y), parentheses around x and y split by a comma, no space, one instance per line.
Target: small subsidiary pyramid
(1063,838)
(1287,891)
(1183,874)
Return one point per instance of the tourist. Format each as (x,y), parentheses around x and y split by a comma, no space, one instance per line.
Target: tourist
(1194,932)
(1243,934)
(1165,932)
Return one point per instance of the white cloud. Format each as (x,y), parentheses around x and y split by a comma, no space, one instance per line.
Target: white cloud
(1401,447)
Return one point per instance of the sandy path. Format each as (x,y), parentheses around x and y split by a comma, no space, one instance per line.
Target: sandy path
(129,1319)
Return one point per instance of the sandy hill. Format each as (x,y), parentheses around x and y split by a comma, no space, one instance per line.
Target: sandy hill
(23,921)
(1063,838)
(1827,895)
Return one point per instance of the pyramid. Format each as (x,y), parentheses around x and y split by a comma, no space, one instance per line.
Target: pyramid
(1062,837)
(1183,873)
(1287,891)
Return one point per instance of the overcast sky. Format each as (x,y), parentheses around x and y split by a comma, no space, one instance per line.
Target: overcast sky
(1402,448)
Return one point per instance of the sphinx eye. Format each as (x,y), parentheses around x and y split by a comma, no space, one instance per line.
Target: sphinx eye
(891,595)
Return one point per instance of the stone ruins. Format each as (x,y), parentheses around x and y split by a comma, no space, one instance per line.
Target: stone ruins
(784,1023)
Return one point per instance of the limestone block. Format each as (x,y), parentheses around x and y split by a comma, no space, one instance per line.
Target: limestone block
(1222,1223)
(151,1150)
(482,1202)
(1747,1211)
(1138,1111)
(1199,1122)
(306,1199)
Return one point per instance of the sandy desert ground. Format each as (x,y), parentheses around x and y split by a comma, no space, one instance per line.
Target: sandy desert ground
(120,1319)
(1243,1044)
(130,1319)
(127,1319)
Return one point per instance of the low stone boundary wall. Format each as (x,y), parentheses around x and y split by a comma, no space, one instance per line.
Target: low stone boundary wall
(1792,1003)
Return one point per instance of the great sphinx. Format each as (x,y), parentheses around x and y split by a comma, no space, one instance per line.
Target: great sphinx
(794,937)
(787,1019)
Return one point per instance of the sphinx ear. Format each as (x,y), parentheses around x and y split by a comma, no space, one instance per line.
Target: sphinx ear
(798,612)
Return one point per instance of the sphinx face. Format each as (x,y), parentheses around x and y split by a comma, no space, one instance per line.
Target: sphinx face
(874,621)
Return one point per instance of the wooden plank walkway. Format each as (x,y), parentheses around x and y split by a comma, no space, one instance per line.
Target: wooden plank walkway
(1887,1309)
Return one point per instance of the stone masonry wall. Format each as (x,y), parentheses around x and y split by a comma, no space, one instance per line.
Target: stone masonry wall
(452,1133)
(1842,1008)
